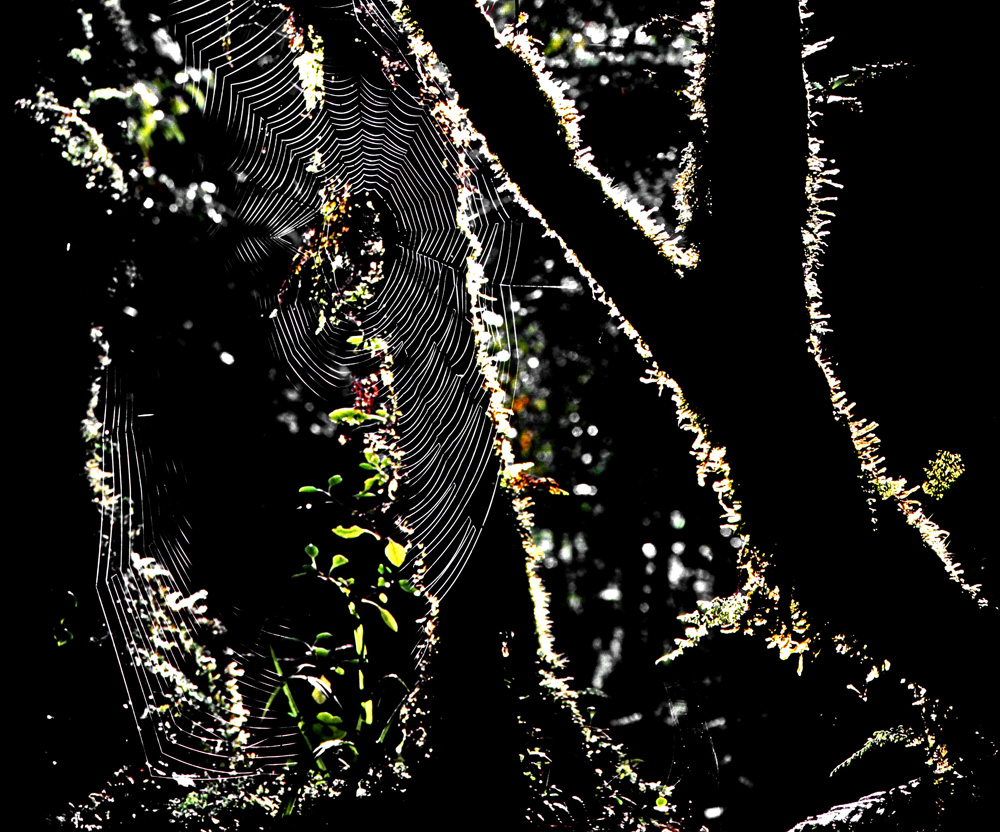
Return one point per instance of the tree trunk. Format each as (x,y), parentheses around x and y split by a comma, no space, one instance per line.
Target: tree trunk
(733,334)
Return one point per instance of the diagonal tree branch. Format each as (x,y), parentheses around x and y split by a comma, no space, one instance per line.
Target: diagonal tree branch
(733,334)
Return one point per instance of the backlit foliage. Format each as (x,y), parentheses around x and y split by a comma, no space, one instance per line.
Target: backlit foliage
(945,468)
(347,696)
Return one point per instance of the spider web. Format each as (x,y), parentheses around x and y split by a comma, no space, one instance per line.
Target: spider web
(328,110)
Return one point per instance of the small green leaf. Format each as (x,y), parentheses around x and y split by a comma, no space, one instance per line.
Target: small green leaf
(353,416)
(372,481)
(338,560)
(336,479)
(312,551)
(388,619)
(406,586)
(395,553)
(359,638)
(352,532)
(309,489)
(329,719)
(356,340)
(367,466)
(323,636)
(390,622)
(270,699)
(321,652)
(321,692)
(346,414)
(367,705)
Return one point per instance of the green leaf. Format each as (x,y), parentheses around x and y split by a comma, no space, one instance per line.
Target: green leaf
(390,622)
(353,416)
(367,705)
(359,638)
(395,553)
(312,551)
(309,489)
(329,719)
(323,636)
(352,532)
(321,652)
(350,415)
(356,340)
(270,699)
(406,586)
(388,619)
(367,466)
(336,479)
(338,560)
(378,479)
(322,691)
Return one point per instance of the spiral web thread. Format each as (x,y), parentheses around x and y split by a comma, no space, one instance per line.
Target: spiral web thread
(316,111)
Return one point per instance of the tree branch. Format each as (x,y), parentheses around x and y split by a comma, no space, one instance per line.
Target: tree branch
(733,334)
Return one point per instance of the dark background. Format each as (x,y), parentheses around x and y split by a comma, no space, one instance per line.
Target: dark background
(730,724)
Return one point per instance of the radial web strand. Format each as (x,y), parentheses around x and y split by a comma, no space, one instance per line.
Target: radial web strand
(353,218)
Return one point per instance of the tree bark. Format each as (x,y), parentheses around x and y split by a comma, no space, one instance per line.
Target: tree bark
(733,334)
